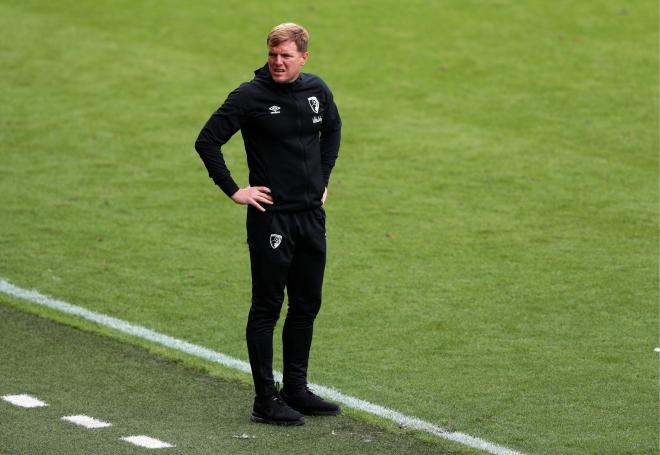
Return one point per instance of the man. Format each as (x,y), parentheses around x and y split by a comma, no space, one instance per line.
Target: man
(291,131)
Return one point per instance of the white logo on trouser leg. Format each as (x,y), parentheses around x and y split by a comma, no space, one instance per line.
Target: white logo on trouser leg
(275,240)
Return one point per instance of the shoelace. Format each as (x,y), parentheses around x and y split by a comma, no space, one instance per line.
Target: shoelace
(310,393)
(278,399)
(278,390)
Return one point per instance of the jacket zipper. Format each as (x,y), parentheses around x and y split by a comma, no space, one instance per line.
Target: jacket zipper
(302,148)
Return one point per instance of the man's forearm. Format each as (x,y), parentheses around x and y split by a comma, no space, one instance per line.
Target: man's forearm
(329,152)
(212,157)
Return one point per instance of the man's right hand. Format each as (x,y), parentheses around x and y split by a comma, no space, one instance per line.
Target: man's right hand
(253,195)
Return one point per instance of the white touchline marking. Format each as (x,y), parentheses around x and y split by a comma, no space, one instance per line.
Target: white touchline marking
(87,422)
(146,441)
(240,365)
(24,401)
(657,349)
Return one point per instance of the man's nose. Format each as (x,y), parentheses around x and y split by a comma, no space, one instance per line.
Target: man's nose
(278,60)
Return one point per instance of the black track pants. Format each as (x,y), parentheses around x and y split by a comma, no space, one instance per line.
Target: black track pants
(287,250)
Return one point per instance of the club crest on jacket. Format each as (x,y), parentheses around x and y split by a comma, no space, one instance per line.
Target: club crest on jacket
(314,104)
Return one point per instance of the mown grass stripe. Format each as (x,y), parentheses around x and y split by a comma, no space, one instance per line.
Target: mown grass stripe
(198,351)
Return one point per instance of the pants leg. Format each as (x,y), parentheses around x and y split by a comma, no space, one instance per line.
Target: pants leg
(304,284)
(270,268)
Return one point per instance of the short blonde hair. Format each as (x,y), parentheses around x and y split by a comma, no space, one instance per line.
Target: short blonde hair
(289,31)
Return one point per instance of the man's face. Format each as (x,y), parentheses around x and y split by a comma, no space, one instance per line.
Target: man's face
(285,62)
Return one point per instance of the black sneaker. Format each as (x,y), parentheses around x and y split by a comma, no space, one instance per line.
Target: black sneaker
(275,411)
(307,403)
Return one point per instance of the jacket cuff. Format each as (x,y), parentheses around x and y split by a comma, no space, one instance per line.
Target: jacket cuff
(228,186)
(326,176)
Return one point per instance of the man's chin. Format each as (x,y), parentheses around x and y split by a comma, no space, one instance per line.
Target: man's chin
(282,78)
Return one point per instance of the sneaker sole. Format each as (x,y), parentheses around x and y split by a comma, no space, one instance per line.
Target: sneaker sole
(320,413)
(286,423)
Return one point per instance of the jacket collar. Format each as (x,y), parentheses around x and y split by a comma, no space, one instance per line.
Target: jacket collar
(263,74)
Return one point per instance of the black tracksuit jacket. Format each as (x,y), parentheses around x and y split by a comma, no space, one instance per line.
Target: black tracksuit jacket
(291,134)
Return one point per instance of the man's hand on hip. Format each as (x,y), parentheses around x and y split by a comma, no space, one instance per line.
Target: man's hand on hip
(253,195)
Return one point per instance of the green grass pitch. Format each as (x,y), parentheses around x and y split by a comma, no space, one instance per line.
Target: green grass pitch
(492,219)
(139,394)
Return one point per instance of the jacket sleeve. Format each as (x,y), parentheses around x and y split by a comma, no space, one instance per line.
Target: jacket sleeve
(222,125)
(330,137)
